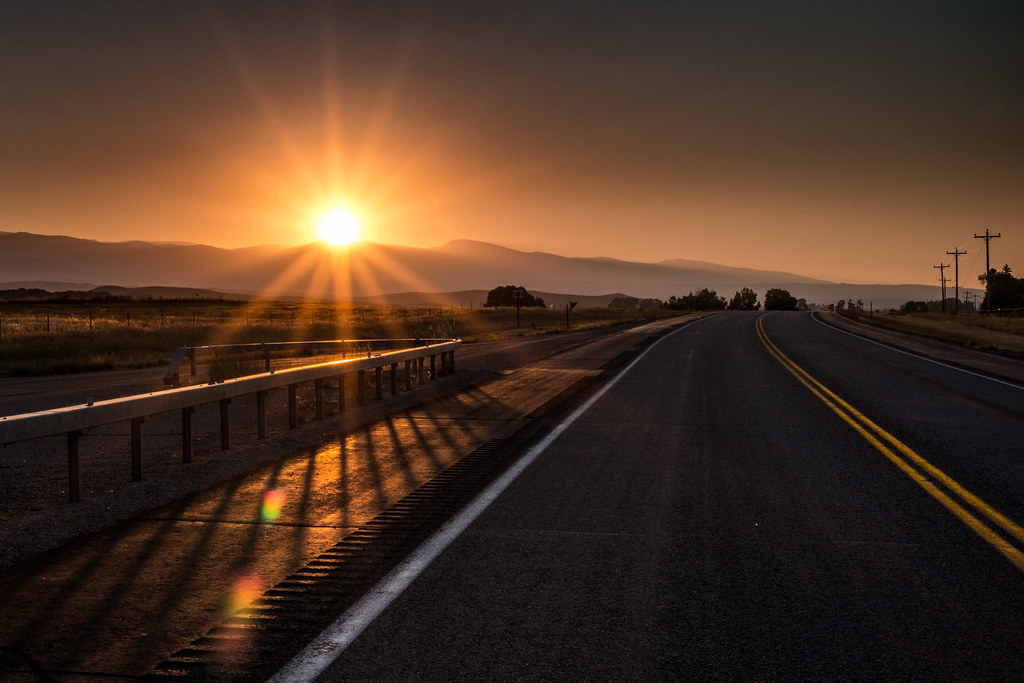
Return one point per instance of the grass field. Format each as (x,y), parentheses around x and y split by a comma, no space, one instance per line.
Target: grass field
(50,337)
(974,331)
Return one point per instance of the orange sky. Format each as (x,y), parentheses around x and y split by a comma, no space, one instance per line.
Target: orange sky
(853,142)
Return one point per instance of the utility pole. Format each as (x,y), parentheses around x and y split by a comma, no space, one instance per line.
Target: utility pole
(969,298)
(987,237)
(956,254)
(942,278)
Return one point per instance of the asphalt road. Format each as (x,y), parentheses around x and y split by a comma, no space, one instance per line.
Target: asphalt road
(226,582)
(712,517)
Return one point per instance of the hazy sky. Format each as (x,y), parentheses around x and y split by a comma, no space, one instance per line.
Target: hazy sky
(854,141)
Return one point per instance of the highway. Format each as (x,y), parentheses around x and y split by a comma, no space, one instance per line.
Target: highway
(754,499)
(744,496)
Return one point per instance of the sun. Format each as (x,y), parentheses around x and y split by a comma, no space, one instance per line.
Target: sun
(339,227)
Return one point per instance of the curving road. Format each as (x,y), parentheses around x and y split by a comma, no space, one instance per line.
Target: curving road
(754,499)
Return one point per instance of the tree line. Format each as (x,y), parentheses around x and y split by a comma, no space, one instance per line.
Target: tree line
(1004,293)
(775,299)
(704,300)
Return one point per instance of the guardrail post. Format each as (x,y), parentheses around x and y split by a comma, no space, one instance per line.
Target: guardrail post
(186,433)
(361,387)
(318,392)
(408,375)
(419,369)
(225,424)
(293,416)
(444,364)
(137,448)
(74,485)
(451,361)
(433,366)
(378,377)
(394,379)
(261,414)
(341,393)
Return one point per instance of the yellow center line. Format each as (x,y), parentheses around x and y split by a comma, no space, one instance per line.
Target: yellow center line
(878,437)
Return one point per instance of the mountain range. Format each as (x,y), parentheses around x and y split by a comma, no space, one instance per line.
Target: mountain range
(459,272)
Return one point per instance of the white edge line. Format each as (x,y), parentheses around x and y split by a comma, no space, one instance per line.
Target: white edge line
(917,355)
(329,645)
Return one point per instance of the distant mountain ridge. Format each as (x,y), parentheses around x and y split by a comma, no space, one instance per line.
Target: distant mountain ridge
(369,270)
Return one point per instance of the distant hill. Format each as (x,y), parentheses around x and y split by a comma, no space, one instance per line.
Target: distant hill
(474,298)
(166,292)
(369,271)
(49,285)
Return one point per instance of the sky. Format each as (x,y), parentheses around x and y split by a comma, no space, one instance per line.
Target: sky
(850,141)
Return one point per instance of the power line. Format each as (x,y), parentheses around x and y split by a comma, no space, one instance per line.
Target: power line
(987,237)
(942,278)
(956,254)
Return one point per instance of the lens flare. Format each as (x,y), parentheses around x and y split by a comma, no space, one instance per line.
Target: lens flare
(273,501)
(246,588)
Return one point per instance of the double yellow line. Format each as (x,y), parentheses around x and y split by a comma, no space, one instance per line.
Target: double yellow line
(970,509)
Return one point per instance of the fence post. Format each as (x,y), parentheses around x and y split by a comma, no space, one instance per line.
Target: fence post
(186,433)
(137,448)
(378,376)
(341,393)
(361,387)
(394,379)
(74,485)
(408,375)
(433,366)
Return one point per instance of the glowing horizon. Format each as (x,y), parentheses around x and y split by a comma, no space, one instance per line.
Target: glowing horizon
(843,144)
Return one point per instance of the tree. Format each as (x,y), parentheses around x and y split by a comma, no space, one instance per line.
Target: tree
(1005,290)
(505,295)
(914,307)
(779,300)
(744,300)
(704,300)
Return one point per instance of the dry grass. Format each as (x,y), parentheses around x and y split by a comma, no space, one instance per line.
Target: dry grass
(40,338)
(975,331)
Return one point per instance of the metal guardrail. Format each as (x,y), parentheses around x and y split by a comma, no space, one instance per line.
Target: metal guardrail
(265,351)
(72,420)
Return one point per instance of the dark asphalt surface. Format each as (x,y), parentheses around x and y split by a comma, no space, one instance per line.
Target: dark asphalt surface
(710,519)
(146,594)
